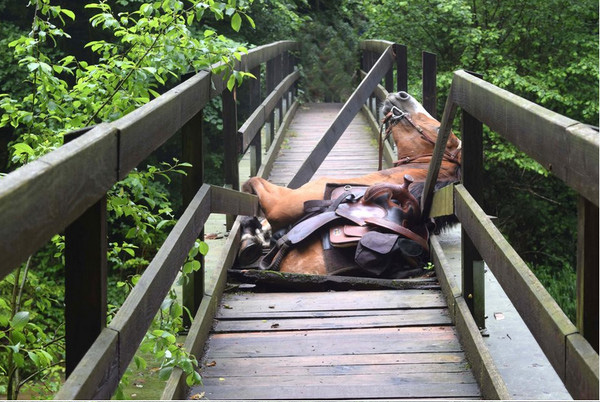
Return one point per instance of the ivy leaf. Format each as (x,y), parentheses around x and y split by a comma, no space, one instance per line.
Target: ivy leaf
(20,320)
(236,22)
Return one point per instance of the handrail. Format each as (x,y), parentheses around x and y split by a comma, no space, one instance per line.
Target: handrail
(56,188)
(67,189)
(570,150)
(342,120)
(100,370)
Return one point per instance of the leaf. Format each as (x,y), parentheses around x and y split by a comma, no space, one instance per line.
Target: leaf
(23,148)
(236,22)
(203,248)
(20,320)
(68,13)
(251,21)
(165,373)
(231,82)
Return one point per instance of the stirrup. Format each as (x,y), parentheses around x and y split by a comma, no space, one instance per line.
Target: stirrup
(250,250)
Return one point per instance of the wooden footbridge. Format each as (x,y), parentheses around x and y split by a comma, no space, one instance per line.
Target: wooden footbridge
(373,339)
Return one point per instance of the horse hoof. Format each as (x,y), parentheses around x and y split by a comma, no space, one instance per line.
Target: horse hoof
(250,251)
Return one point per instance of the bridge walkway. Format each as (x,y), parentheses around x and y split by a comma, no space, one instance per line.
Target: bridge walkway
(391,344)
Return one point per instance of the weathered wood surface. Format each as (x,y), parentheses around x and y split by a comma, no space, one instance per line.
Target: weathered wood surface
(335,345)
(547,322)
(564,146)
(354,154)
(342,120)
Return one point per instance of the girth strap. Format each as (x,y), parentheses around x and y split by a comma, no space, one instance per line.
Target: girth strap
(301,231)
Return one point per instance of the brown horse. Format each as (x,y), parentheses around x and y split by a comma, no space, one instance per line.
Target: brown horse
(414,132)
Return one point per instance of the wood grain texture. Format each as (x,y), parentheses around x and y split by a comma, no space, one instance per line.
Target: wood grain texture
(342,120)
(354,154)
(564,146)
(41,198)
(335,345)
(544,318)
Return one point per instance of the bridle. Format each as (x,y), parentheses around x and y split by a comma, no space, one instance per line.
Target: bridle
(393,117)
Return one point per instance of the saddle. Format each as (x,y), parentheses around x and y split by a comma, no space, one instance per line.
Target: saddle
(367,228)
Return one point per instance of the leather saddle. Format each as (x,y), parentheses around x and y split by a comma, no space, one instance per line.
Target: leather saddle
(377,220)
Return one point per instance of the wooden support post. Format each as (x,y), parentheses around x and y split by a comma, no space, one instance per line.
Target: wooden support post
(401,67)
(587,271)
(254,100)
(269,86)
(85,282)
(429,83)
(231,146)
(193,152)
(473,281)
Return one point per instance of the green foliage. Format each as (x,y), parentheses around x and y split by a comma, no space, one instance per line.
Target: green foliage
(140,51)
(328,57)
(544,51)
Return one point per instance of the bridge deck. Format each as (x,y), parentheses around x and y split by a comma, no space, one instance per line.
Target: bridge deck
(392,344)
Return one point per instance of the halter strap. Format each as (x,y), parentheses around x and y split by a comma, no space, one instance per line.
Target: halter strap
(392,118)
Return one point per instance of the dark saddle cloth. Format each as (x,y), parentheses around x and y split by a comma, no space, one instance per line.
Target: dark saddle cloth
(383,236)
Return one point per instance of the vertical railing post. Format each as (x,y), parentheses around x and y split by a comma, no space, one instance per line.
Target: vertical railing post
(85,282)
(231,145)
(401,67)
(86,248)
(429,83)
(193,153)
(278,77)
(587,271)
(254,99)
(473,281)
(271,76)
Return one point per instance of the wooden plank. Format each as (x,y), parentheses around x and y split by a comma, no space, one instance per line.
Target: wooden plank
(192,151)
(429,64)
(400,319)
(302,282)
(544,318)
(375,45)
(149,126)
(97,373)
(313,343)
(438,153)
(331,301)
(587,271)
(401,67)
(344,387)
(41,198)
(227,201)
(85,282)
(283,362)
(343,119)
(563,146)
(136,314)
(581,368)
(234,368)
(253,124)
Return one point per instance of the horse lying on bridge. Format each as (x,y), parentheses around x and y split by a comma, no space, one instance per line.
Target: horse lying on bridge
(333,214)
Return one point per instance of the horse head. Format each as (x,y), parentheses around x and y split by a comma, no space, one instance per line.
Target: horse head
(414,130)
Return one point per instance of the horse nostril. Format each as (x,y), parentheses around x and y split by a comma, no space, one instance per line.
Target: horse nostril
(403,95)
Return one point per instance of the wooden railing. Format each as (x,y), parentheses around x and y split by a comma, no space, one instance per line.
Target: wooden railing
(569,150)
(66,190)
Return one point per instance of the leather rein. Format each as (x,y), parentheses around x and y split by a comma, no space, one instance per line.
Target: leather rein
(392,118)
